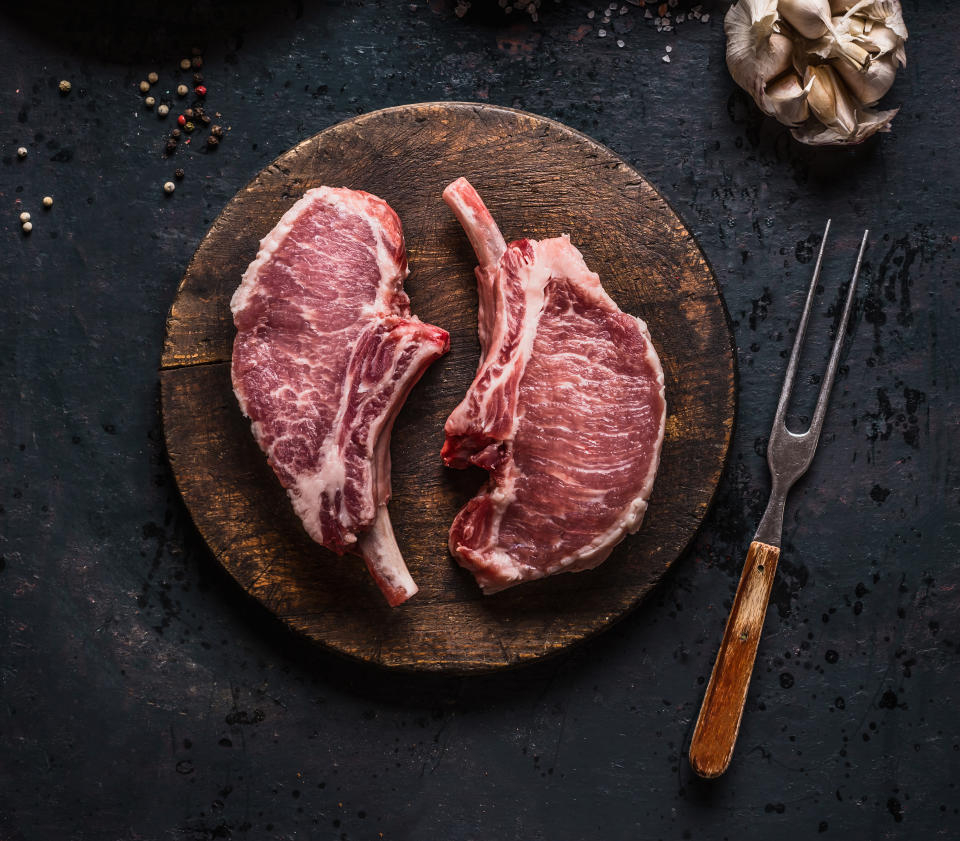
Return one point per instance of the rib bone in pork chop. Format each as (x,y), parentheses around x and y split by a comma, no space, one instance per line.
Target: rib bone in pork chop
(325,355)
(566,411)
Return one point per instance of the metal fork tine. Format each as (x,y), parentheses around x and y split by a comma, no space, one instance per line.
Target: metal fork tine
(824,398)
(787,390)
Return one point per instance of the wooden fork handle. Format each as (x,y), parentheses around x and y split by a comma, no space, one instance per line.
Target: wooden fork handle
(719,720)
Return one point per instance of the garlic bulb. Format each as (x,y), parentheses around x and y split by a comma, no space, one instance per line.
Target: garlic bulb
(818,65)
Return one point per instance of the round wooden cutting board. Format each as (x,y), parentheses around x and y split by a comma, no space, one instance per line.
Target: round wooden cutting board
(540,179)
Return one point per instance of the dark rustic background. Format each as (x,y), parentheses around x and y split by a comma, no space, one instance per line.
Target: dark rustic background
(143,696)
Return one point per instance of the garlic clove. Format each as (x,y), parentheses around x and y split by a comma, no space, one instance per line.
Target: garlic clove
(875,38)
(873,81)
(786,99)
(841,43)
(886,12)
(756,51)
(808,17)
(829,100)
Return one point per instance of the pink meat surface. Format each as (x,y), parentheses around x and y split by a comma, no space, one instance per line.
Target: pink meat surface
(325,355)
(566,411)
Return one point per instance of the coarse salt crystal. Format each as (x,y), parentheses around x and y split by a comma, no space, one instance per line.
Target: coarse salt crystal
(591,15)
(704,18)
(665,59)
(669,48)
(602,33)
(619,43)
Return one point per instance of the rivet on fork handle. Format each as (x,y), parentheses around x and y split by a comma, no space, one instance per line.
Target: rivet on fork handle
(719,721)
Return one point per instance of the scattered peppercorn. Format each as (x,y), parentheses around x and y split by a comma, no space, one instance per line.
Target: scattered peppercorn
(149,101)
(27,227)
(163,110)
(171,146)
(189,127)
(144,86)
(169,187)
(200,90)
(178,174)
(175,133)
(205,119)
(182,90)
(24,217)
(48,202)
(65,86)
(198,78)
(213,141)
(181,120)
(22,152)
(197,62)
(153,78)
(188,113)
(216,131)
(185,64)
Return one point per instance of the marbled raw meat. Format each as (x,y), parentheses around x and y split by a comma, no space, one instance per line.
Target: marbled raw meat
(566,411)
(325,355)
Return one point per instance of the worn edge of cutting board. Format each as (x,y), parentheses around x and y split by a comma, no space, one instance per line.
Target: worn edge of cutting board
(540,178)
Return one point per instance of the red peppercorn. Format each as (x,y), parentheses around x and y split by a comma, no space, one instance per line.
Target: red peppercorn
(181,120)
(200,90)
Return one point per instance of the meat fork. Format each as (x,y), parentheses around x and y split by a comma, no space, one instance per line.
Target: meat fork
(788,455)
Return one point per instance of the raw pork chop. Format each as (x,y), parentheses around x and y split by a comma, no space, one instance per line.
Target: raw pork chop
(566,411)
(325,355)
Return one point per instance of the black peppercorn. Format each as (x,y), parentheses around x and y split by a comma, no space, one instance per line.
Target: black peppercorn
(175,133)
(205,119)
(171,146)
(213,141)
(216,131)
(197,62)
(188,113)
(178,174)
(198,78)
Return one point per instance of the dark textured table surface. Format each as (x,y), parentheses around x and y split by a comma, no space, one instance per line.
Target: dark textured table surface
(143,696)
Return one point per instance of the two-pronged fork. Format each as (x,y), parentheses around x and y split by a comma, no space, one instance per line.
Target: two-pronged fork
(789,455)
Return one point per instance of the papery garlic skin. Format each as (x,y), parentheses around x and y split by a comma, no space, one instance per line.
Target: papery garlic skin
(808,17)
(818,65)
(868,123)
